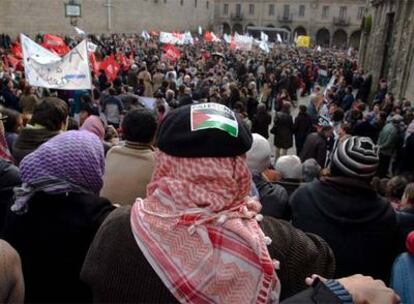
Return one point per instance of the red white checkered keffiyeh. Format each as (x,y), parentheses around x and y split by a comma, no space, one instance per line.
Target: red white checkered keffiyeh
(197,228)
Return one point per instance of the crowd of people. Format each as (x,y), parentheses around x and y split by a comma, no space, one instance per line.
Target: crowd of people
(252,178)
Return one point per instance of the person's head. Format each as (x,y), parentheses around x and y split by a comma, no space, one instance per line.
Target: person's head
(74,160)
(324,127)
(289,166)
(13,122)
(303,109)
(94,125)
(87,109)
(310,170)
(51,113)
(261,108)
(344,130)
(140,126)
(258,157)
(286,107)
(338,115)
(72,124)
(397,119)
(356,157)
(408,196)
(396,187)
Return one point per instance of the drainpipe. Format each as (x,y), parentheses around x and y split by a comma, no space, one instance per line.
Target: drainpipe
(108,6)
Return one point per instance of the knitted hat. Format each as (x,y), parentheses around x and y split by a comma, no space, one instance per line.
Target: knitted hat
(203,130)
(356,157)
(258,157)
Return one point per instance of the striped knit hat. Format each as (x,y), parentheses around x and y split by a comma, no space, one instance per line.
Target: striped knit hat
(356,157)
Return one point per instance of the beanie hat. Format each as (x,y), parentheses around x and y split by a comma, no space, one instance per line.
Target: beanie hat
(258,157)
(410,243)
(203,130)
(356,157)
(289,166)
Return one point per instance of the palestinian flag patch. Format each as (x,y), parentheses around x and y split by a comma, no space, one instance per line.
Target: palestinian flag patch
(214,116)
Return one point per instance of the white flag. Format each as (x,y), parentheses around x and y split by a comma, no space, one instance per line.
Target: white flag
(200,31)
(264,37)
(279,38)
(319,49)
(47,70)
(171,38)
(227,38)
(350,51)
(145,35)
(79,31)
(264,47)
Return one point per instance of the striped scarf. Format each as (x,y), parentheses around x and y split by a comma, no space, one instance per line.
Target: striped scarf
(198,229)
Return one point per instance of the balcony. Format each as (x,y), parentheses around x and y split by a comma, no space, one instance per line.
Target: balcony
(285,18)
(236,17)
(342,21)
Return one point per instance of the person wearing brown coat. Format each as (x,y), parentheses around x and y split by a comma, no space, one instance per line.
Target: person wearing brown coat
(126,276)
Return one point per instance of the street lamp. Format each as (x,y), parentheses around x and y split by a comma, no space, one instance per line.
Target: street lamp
(73,10)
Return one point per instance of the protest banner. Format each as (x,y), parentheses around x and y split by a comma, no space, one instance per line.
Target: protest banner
(47,70)
(243,42)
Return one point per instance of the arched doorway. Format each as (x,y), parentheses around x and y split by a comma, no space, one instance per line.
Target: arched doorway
(340,39)
(238,28)
(323,37)
(355,39)
(226,28)
(300,31)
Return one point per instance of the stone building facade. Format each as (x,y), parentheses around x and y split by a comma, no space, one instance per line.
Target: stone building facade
(103,16)
(387,46)
(328,22)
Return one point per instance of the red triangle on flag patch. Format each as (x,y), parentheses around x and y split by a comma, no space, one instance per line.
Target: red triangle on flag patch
(198,118)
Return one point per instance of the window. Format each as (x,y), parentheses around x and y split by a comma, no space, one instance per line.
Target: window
(271,9)
(225,9)
(207,4)
(342,12)
(301,11)
(195,3)
(361,12)
(325,12)
(286,11)
(251,9)
(238,9)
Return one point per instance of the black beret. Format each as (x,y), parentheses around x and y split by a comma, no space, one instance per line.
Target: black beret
(203,130)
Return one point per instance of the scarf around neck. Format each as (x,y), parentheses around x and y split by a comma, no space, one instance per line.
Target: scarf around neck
(198,229)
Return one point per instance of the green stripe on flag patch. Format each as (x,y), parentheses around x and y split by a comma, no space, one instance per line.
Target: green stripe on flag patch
(233,131)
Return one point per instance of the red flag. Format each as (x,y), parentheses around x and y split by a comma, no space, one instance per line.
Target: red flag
(14,62)
(94,64)
(208,37)
(171,52)
(111,67)
(55,44)
(16,50)
(122,60)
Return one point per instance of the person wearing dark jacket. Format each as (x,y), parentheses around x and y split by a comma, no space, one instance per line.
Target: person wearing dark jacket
(302,128)
(283,130)
(9,178)
(273,197)
(344,210)
(316,143)
(48,120)
(56,214)
(11,101)
(261,121)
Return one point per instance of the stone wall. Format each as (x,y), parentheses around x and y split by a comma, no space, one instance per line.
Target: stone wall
(392,59)
(127,16)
